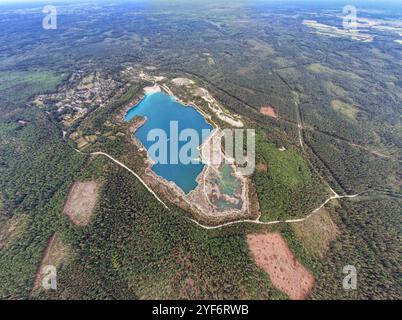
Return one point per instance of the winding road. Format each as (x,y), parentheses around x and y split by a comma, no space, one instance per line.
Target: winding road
(129,170)
(257,221)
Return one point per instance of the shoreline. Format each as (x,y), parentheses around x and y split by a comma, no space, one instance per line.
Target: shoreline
(196,200)
(128,107)
(166,90)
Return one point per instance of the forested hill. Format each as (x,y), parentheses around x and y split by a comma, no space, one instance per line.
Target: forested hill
(327,111)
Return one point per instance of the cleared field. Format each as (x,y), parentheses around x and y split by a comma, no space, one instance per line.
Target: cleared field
(285,184)
(335,90)
(320,69)
(346,109)
(262,167)
(317,232)
(56,254)
(22,84)
(260,48)
(81,202)
(333,31)
(269,111)
(182,82)
(272,254)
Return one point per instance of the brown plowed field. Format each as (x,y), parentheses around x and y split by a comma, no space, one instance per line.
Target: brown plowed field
(272,254)
(81,201)
(269,111)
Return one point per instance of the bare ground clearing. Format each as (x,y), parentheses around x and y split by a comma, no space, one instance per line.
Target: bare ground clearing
(272,254)
(55,254)
(81,201)
(269,111)
(317,233)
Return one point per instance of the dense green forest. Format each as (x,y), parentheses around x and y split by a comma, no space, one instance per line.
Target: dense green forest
(377,262)
(134,248)
(36,169)
(342,96)
(286,185)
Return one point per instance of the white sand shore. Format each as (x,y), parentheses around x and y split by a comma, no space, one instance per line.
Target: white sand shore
(153,89)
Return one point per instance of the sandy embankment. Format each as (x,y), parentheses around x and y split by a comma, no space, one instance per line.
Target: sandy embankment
(154,89)
(197,199)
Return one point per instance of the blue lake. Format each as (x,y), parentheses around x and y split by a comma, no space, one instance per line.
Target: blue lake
(160,109)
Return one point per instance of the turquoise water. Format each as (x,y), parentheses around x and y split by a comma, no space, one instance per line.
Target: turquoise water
(160,109)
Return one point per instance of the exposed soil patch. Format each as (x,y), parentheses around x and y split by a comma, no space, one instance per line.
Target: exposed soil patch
(55,254)
(269,111)
(344,108)
(317,232)
(272,254)
(81,201)
(153,89)
(182,82)
(262,167)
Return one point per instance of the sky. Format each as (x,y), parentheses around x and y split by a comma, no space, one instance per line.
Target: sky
(361,2)
(296,1)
